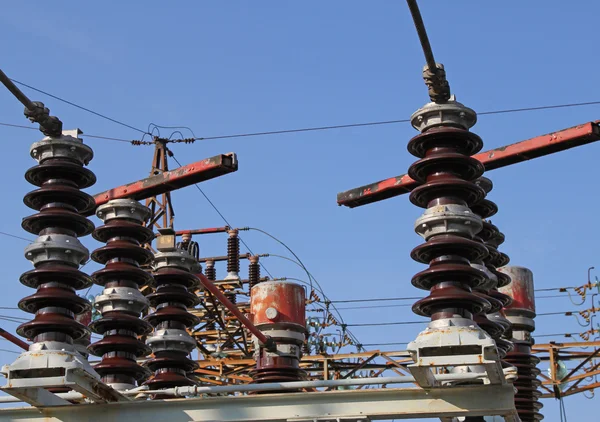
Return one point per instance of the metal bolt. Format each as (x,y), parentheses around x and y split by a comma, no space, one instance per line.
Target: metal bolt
(271,313)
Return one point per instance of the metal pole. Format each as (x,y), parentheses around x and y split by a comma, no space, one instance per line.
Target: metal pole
(209,230)
(194,390)
(266,341)
(16,91)
(13,339)
(422,33)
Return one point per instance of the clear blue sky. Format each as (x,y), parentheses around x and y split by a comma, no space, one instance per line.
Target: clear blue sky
(254,66)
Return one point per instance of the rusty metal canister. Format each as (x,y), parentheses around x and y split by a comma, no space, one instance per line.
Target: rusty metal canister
(521,290)
(280,303)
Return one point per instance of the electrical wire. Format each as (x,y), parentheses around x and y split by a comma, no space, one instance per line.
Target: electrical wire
(223,217)
(385,344)
(377,324)
(83,134)
(15,236)
(343,126)
(351,125)
(10,351)
(376,306)
(310,276)
(78,106)
(173,127)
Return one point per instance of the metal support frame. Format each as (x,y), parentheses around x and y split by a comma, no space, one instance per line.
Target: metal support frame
(168,181)
(529,149)
(349,405)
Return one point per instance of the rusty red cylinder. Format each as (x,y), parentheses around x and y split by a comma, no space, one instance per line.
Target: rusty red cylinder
(278,310)
(280,303)
(521,290)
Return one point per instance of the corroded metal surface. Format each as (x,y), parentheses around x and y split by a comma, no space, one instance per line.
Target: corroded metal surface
(499,157)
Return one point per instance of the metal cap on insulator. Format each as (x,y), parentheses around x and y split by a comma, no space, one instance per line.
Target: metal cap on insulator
(451,113)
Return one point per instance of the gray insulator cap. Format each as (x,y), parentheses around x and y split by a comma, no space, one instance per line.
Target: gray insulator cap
(57,248)
(170,339)
(124,299)
(451,113)
(177,259)
(446,219)
(123,208)
(66,147)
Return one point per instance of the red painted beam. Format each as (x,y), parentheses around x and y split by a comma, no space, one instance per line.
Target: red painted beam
(208,230)
(14,339)
(172,180)
(493,159)
(215,291)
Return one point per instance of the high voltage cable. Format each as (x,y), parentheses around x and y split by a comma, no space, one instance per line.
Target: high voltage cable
(262,231)
(83,134)
(15,236)
(223,218)
(321,128)
(377,324)
(386,344)
(80,107)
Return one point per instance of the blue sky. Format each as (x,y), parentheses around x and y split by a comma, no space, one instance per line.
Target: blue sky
(255,66)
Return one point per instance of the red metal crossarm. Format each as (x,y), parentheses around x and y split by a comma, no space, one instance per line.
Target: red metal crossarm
(493,159)
(168,181)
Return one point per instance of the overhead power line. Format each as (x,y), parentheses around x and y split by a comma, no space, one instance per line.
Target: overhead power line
(84,135)
(377,324)
(317,128)
(79,107)
(223,217)
(388,122)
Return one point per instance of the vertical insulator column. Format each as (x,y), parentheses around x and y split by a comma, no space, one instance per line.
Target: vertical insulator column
(278,309)
(233,255)
(121,302)
(447,174)
(521,314)
(233,267)
(211,273)
(170,342)
(494,322)
(253,271)
(56,255)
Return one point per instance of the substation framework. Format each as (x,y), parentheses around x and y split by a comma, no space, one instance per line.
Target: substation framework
(477,357)
(386,370)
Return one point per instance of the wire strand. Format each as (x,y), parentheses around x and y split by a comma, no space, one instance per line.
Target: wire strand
(223,218)
(387,122)
(78,106)
(15,236)
(83,134)
(377,324)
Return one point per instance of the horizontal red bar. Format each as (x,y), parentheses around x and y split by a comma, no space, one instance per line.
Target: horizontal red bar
(208,230)
(493,159)
(172,180)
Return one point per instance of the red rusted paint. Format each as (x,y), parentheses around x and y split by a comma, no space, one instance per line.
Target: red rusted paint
(172,180)
(288,299)
(500,157)
(84,318)
(521,290)
(208,285)
(14,339)
(208,230)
